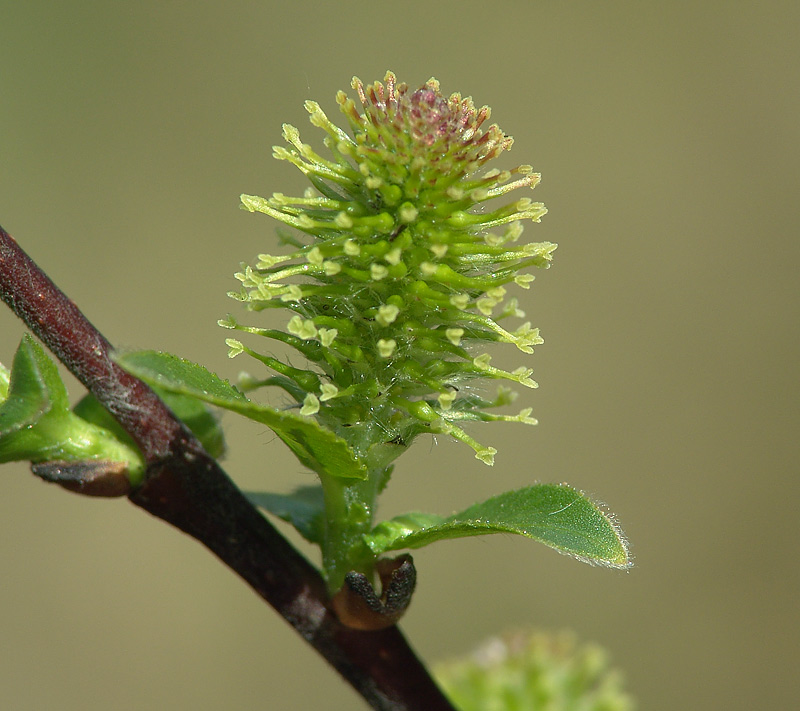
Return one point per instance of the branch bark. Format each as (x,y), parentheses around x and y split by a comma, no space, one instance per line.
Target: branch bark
(187,488)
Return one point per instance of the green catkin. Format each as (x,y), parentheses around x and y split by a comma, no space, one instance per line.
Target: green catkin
(524,670)
(401,281)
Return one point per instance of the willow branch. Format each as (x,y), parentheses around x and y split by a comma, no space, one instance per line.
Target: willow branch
(187,488)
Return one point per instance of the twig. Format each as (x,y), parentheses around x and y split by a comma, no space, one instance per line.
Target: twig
(187,488)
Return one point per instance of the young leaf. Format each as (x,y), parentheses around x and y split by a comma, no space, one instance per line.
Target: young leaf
(37,425)
(34,388)
(554,514)
(303,508)
(5,377)
(317,448)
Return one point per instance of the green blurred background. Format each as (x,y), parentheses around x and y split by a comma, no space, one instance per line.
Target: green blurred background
(667,136)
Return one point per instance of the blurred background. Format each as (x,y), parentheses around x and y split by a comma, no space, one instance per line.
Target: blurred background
(667,136)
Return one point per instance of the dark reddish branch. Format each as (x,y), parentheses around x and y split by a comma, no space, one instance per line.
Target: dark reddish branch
(188,489)
(83,349)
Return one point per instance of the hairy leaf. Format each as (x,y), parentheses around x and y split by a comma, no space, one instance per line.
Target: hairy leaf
(554,514)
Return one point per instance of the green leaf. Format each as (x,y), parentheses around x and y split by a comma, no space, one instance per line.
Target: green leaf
(5,377)
(554,514)
(34,388)
(317,448)
(37,425)
(303,508)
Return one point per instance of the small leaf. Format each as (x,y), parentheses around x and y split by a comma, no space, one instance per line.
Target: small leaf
(556,515)
(34,388)
(303,508)
(5,377)
(37,425)
(317,448)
